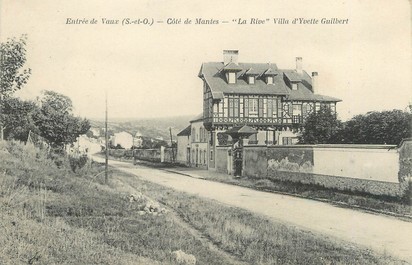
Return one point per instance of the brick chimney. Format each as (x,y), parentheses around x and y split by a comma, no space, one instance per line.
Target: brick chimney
(230,56)
(314,81)
(299,69)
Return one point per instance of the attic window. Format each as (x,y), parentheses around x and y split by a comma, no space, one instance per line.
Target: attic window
(231,78)
(251,79)
(294,86)
(269,80)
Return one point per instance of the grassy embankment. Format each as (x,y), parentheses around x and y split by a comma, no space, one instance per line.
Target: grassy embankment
(51,215)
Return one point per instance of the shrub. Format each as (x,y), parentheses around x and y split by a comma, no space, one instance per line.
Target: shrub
(77,162)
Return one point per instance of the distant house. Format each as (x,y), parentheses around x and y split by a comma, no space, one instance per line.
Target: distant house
(192,144)
(84,145)
(138,140)
(183,146)
(123,139)
(95,131)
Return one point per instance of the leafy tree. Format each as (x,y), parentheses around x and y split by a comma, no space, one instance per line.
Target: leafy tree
(12,77)
(386,127)
(56,122)
(321,127)
(13,58)
(18,118)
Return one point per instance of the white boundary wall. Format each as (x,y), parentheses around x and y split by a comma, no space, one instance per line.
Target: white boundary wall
(378,163)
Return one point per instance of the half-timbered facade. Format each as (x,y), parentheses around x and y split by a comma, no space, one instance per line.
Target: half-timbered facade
(273,101)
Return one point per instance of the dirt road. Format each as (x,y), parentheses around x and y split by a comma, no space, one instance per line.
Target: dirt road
(380,233)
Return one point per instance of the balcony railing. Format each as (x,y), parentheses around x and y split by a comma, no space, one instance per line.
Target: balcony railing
(295,119)
(243,120)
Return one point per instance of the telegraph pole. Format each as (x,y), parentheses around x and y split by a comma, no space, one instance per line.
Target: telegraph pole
(106,135)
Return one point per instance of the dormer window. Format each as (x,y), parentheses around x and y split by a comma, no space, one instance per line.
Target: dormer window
(269,75)
(230,70)
(294,86)
(251,75)
(231,78)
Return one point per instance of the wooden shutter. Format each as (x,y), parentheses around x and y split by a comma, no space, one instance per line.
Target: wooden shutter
(260,106)
(270,111)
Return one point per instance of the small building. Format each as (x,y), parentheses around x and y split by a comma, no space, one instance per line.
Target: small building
(192,144)
(199,139)
(123,139)
(84,146)
(95,131)
(183,146)
(138,140)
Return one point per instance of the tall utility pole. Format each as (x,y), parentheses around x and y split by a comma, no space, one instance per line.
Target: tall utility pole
(106,135)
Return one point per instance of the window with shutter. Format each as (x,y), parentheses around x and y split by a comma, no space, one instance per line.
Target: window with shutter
(269,106)
(260,106)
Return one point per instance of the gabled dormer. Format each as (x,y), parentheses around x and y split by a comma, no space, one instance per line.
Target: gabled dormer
(231,67)
(269,76)
(293,78)
(230,71)
(251,76)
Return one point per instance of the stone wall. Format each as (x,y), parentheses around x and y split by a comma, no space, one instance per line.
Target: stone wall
(221,159)
(168,155)
(340,183)
(165,154)
(370,162)
(152,155)
(405,160)
(374,169)
(121,153)
(255,161)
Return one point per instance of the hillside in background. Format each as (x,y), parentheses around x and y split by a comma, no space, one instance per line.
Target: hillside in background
(154,127)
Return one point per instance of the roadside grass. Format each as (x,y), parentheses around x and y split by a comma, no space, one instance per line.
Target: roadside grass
(29,184)
(51,215)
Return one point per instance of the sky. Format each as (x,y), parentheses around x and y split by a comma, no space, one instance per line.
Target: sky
(151,71)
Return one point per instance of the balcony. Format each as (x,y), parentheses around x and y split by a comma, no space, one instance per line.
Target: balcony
(243,120)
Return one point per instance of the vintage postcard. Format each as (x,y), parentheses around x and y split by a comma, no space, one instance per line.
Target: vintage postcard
(206,132)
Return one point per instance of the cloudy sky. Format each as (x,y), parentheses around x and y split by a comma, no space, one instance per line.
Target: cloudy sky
(151,71)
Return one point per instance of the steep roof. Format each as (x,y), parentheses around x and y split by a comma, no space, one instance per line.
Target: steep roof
(252,71)
(282,78)
(232,67)
(185,132)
